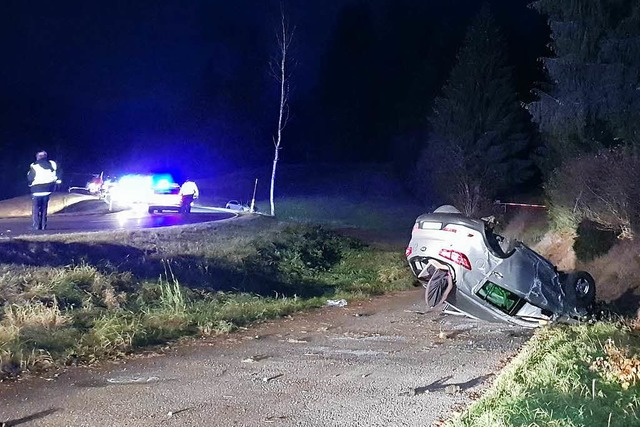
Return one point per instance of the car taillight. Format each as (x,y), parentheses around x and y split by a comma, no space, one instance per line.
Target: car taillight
(408,251)
(457,257)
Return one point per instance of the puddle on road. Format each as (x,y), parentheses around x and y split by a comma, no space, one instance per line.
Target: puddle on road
(383,338)
(329,350)
(123,380)
(133,380)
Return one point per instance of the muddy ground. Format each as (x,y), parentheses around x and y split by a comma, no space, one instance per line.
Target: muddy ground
(382,362)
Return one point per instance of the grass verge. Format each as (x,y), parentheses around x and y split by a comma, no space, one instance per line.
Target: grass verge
(570,376)
(79,299)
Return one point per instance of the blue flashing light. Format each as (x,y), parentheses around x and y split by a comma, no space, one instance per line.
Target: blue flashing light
(163,181)
(162,184)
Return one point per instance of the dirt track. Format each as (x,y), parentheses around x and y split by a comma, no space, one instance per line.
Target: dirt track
(379,363)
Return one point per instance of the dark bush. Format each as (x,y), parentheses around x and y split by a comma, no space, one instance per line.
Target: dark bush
(69,294)
(591,241)
(602,188)
(300,251)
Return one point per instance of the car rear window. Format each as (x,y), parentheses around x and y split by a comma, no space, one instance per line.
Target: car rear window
(428,225)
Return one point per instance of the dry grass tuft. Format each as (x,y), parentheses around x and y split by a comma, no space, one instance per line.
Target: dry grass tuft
(8,334)
(617,365)
(34,313)
(634,324)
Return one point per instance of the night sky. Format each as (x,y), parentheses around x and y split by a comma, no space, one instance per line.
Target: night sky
(145,85)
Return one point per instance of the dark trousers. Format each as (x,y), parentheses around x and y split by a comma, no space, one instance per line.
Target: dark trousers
(39,211)
(185,206)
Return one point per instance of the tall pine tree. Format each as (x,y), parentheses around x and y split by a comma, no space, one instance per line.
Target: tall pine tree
(479,137)
(593,100)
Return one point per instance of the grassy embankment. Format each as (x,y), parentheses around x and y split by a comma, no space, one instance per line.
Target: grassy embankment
(585,375)
(79,298)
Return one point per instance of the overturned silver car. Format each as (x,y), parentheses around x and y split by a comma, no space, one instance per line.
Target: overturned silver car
(468,269)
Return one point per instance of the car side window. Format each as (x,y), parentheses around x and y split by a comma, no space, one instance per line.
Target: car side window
(500,297)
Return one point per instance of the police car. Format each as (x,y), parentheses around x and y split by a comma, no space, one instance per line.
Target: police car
(165,197)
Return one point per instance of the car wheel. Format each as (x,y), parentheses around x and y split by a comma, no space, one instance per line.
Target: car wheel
(584,286)
(437,289)
(150,210)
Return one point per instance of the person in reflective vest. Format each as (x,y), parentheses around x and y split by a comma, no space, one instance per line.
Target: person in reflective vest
(42,178)
(189,192)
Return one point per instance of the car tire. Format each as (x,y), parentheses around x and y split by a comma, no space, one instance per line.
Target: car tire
(150,210)
(584,286)
(437,289)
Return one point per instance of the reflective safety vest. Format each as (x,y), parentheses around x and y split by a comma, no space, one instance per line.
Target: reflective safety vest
(189,188)
(43,179)
(44,175)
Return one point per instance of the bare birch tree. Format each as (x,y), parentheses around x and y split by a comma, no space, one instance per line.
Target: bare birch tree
(280,70)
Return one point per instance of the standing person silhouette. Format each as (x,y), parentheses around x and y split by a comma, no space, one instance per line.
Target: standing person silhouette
(189,192)
(42,178)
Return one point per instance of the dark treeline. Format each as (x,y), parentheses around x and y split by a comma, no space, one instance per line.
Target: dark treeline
(155,86)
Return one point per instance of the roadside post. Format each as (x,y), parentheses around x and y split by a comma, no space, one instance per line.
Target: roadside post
(253,199)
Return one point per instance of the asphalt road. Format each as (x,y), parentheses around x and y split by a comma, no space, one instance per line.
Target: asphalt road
(382,362)
(94,216)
